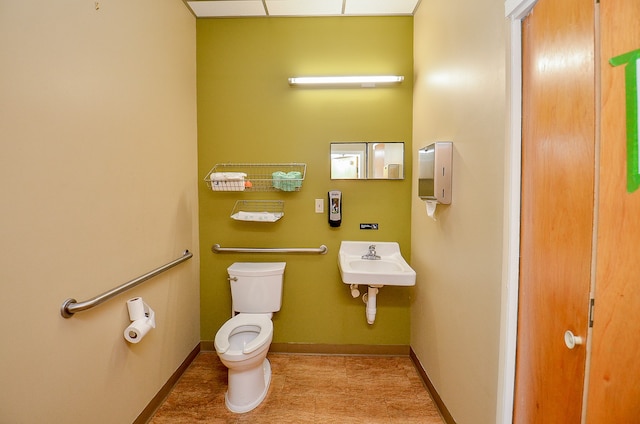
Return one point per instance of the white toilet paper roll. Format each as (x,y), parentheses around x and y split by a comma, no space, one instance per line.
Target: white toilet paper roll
(143,317)
(137,330)
(136,308)
(431,209)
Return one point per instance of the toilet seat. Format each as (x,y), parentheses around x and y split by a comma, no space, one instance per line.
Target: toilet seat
(262,321)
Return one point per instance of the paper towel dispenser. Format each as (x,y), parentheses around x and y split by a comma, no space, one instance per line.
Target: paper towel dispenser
(434,172)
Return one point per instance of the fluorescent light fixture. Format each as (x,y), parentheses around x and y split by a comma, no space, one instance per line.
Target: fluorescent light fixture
(363,81)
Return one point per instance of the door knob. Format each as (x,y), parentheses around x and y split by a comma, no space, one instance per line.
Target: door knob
(571,340)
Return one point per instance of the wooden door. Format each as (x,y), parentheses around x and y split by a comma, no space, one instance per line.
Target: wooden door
(614,380)
(557,209)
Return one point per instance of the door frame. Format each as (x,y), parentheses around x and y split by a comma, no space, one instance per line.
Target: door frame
(515,11)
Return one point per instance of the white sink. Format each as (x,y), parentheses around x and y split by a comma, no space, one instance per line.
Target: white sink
(390,270)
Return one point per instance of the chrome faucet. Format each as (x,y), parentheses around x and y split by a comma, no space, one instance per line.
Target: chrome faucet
(372,256)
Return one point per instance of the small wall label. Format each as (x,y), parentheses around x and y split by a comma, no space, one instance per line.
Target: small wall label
(368,226)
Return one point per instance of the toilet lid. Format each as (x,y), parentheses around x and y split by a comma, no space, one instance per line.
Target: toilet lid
(262,321)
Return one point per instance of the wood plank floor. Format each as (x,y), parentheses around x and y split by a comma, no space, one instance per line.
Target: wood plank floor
(307,389)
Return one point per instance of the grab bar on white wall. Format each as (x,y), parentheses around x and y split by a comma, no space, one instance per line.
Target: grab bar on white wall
(71,306)
(320,250)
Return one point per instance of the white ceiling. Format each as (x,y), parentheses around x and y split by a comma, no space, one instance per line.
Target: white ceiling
(238,8)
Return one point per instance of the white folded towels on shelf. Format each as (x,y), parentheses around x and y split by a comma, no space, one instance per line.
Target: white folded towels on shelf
(257,216)
(227,176)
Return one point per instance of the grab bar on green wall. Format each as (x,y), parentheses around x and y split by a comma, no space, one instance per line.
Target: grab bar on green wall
(71,306)
(321,250)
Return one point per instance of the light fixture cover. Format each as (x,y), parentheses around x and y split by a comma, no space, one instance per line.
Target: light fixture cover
(362,80)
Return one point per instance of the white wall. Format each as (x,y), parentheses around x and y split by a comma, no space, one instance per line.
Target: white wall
(459,96)
(97,186)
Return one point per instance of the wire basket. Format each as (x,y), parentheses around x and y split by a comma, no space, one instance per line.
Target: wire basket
(258,210)
(256,177)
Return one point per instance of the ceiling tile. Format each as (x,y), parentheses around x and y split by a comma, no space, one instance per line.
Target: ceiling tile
(304,7)
(380,7)
(204,9)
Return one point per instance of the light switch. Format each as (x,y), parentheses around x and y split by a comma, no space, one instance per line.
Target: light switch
(319,205)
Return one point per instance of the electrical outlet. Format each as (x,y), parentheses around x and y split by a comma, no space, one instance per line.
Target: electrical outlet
(319,205)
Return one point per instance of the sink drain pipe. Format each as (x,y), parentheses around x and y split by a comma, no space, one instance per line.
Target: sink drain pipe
(370,299)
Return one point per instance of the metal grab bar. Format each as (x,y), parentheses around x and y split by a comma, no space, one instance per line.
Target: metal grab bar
(321,250)
(71,306)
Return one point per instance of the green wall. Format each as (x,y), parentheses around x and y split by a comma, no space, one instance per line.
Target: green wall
(247,113)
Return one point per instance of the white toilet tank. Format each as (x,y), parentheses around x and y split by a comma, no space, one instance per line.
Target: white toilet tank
(256,287)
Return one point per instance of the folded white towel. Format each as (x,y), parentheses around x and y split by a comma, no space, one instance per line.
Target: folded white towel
(227,176)
(257,216)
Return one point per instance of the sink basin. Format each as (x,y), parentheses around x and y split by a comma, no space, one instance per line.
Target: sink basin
(390,270)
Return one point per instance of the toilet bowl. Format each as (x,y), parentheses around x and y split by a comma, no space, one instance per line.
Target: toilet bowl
(243,341)
(242,344)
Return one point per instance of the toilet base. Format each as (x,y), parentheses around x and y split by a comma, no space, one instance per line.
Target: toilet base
(247,389)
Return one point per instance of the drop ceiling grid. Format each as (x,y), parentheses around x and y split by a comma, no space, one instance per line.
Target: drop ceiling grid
(240,8)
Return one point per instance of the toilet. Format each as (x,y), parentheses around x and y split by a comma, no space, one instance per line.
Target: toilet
(243,341)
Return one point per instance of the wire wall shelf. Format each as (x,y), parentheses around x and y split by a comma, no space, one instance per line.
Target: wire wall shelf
(258,210)
(256,177)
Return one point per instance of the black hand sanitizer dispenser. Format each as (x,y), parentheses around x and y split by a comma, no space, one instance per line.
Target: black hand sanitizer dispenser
(335,208)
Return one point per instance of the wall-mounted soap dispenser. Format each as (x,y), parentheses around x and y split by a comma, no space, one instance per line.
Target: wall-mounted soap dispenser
(335,208)
(434,172)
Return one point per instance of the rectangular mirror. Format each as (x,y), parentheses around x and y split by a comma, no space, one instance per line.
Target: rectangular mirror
(367,160)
